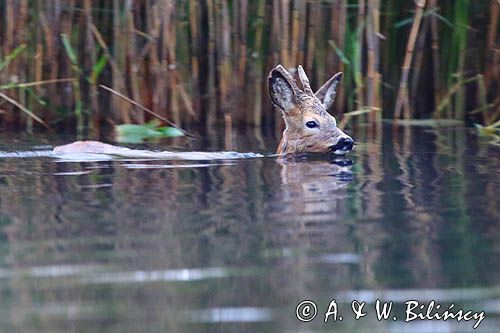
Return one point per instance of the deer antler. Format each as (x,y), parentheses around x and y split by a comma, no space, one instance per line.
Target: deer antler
(305,81)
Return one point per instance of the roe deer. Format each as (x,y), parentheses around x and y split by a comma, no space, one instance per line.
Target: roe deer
(309,127)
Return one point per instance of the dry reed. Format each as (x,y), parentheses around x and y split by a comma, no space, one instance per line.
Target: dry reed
(206,61)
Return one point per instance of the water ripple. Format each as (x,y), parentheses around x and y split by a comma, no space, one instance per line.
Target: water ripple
(230,315)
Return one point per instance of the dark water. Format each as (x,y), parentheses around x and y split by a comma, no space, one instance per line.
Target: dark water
(234,246)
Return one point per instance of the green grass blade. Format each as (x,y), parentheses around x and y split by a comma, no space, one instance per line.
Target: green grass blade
(11,56)
(339,52)
(69,49)
(98,68)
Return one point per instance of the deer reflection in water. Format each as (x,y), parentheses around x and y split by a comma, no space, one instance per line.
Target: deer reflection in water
(316,185)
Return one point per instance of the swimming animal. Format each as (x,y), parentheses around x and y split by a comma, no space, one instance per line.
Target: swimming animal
(309,127)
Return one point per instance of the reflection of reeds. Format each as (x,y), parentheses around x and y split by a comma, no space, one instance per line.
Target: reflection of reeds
(186,59)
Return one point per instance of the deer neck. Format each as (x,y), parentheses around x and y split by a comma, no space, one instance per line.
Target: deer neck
(282,147)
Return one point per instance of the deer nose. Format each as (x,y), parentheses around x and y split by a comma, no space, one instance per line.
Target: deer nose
(343,144)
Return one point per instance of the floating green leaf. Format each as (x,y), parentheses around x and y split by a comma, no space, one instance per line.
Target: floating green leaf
(133,133)
(170,131)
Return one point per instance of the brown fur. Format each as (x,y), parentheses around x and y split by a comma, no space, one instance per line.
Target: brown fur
(300,107)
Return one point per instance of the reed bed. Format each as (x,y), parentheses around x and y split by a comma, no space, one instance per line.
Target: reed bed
(206,62)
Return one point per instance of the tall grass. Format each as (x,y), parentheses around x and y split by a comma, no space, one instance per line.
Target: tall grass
(205,62)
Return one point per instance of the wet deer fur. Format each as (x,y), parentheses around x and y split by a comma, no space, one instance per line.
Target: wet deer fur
(309,127)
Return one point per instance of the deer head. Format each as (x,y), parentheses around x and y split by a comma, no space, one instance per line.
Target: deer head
(309,127)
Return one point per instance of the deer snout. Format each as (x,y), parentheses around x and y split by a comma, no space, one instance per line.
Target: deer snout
(344,144)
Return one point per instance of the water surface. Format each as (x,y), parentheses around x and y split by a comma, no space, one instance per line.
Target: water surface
(130,245)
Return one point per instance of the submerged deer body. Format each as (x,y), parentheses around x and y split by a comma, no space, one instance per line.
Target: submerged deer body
(309,127)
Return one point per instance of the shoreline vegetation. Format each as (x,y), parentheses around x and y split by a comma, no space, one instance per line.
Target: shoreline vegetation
(80,65)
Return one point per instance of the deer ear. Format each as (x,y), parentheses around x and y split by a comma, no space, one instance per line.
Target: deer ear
(282,88)
(326,94)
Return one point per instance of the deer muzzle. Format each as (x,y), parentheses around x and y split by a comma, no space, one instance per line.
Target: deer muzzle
(342,146)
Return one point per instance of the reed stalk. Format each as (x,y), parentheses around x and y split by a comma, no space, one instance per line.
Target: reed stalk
(374,76)
(193,27)
(198,61)
(341,8)
(447,99)
(460,38)
(256,117)
(294,47)
(361,26)
(417,67)
(143,108)
(436,77)
(211,111)
(24,109)
(284,32)
(311,36)
(119,52)
(402,97)
(492,59)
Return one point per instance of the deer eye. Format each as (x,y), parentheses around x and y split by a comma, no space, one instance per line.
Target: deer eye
(312,124)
